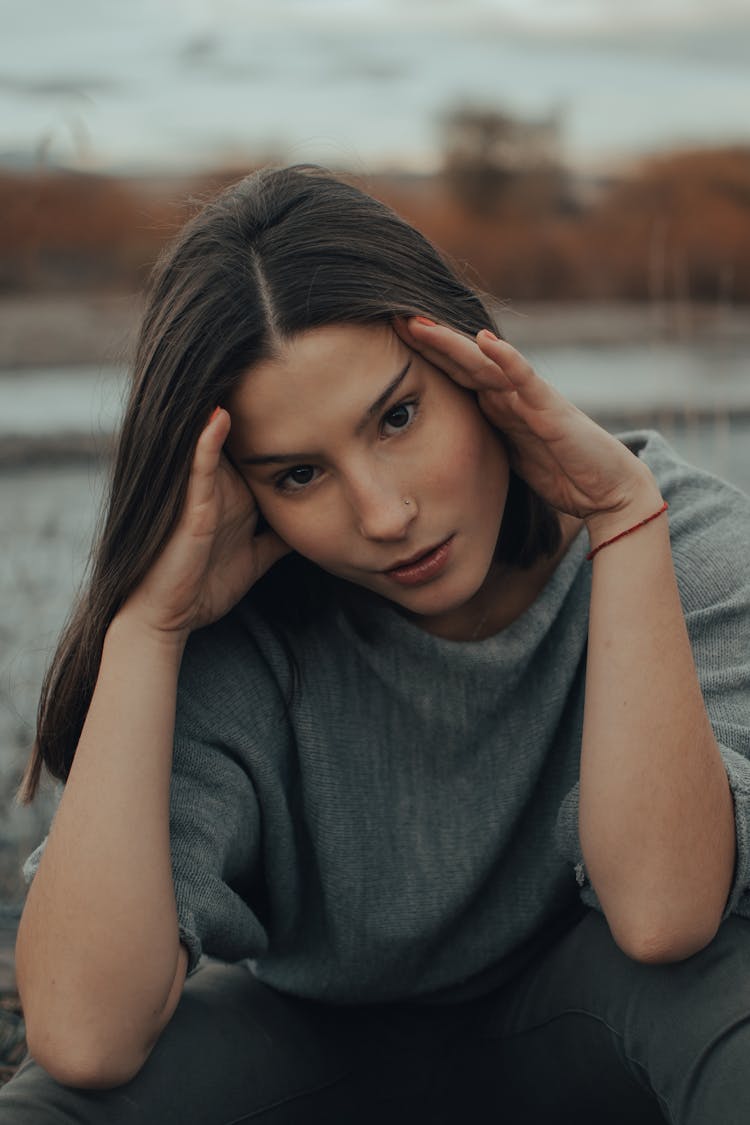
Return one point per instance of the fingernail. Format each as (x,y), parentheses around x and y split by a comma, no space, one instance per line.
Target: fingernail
(217,410)
(486,332)
(425,320)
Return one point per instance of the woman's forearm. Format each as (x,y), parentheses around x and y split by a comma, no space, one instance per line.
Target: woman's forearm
(98,954)
(656,812)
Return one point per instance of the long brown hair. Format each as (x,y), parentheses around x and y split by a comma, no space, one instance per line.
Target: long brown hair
(279,252)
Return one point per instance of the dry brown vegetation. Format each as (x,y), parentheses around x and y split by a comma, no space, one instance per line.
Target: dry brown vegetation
(675,227)
(679,228)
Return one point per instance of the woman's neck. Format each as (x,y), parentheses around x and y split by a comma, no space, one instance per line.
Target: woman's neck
(506,593)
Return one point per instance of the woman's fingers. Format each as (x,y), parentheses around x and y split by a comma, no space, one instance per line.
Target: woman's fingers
(519,373)
(216,493)
(400,326)
(457,355)
(214,475)
(487,365)
(212,557)
(206,459)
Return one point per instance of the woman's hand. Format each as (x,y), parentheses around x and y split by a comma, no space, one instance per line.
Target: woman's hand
(568,459)
(211,559)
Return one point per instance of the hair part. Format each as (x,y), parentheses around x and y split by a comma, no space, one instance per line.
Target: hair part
(281,251)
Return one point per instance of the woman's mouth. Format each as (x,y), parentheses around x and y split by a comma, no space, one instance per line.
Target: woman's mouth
(422,569)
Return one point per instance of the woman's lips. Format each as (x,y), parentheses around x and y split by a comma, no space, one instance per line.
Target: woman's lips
(424,569)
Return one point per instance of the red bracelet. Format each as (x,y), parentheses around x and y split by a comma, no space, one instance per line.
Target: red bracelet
(635,527)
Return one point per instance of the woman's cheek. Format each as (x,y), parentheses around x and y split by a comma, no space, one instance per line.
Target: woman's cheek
(296,523)
(452,451)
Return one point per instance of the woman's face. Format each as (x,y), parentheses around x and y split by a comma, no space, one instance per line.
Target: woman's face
(363,456)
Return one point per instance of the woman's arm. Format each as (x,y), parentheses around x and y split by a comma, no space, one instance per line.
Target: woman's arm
(656,819)
(100,965)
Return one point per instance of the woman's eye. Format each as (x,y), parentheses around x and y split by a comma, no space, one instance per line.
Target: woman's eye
(400,416)
(296,478)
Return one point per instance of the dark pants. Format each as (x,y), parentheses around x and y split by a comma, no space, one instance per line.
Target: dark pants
(583,1035)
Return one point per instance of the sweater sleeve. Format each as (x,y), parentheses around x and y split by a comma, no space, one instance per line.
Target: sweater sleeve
(215,819)
(710,535)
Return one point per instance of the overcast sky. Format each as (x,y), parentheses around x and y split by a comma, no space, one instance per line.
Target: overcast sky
(128,84)
(542,14)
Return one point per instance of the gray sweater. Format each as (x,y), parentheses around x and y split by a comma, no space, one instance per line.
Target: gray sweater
(408,828)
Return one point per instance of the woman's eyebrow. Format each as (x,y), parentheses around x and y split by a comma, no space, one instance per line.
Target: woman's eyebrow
(380,401)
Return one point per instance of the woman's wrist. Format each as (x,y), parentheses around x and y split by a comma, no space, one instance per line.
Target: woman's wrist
(643,501)
(128,626)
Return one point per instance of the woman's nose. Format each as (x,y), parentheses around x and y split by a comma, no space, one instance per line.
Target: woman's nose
(384,510)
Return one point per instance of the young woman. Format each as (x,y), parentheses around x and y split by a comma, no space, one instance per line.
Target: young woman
(399,694)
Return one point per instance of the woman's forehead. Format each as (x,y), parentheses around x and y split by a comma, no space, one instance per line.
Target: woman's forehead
(342,346)
(320,376)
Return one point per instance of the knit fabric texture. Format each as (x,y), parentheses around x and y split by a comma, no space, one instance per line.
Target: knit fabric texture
(407,829)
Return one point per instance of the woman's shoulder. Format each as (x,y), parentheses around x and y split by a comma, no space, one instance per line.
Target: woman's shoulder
(693,489)
(709,518)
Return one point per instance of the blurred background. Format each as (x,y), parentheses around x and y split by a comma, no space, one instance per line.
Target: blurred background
(586,163)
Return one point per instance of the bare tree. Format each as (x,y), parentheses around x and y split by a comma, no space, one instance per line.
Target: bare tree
(491,158)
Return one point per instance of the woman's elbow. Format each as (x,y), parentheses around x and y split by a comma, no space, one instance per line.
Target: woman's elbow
(650,948)
(80,1049)
(73,1064)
